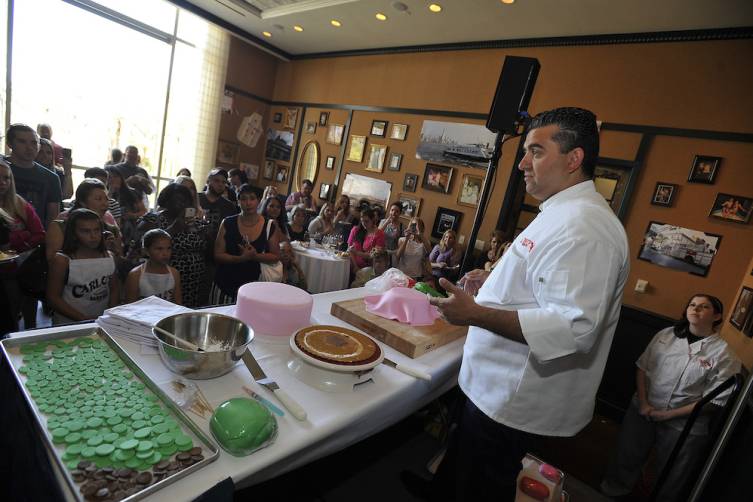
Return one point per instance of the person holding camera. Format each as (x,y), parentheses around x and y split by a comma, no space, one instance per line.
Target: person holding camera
(412,254)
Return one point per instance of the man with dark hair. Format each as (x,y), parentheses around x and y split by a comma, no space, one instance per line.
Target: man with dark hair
(302,198)
(543,321)
(216,207)
(237,179)
(130,167)
(116,157)
(38,185)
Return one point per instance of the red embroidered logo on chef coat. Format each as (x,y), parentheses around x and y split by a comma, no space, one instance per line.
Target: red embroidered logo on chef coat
(527,243)
(705,363)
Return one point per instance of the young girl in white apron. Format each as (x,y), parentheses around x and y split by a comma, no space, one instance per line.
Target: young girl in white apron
(155,276)
(82,281)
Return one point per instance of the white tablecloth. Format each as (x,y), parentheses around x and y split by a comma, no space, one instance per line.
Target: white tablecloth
(324,273)
(335,421)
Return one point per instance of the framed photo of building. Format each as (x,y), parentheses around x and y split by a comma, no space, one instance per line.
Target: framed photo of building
(664,194)
(377,154)
(399,131)
(679,248)
(378,128)
(357,147)
(734,208)
(335,134)
(742,315)
(410,182)
(704,169)
(446,219)
(437,178)
(395,160)
(470,191)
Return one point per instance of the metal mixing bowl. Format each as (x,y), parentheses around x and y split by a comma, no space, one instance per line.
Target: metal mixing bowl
(223,339)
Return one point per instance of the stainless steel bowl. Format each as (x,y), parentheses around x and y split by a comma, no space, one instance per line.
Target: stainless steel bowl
(222,338)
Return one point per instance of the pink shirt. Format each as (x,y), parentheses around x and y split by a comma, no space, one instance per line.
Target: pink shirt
(25,235)
(371,241)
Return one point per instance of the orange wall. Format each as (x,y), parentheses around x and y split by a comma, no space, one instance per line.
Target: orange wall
(694,85)
(740,343)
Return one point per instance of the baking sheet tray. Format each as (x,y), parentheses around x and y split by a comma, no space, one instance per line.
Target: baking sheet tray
(11,352)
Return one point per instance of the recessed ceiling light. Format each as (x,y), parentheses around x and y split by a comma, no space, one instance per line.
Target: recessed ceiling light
(298,28)
(266,34)
(381,16)
(335,23)
(435,7)
(508,1)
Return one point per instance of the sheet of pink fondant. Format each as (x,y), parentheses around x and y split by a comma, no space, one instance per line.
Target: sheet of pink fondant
(403,304)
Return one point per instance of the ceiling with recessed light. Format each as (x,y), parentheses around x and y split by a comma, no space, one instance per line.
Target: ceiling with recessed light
(345,25)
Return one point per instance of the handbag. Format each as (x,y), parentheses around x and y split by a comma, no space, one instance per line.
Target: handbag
(271,272)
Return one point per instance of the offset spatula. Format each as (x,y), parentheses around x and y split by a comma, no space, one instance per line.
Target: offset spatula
(261,378)
(408,370)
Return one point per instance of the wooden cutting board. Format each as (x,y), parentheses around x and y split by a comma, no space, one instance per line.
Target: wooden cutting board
(413,341)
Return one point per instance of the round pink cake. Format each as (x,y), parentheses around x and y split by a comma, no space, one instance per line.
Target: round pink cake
(273,309)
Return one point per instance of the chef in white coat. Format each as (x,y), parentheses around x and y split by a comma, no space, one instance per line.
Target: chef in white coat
(542,323)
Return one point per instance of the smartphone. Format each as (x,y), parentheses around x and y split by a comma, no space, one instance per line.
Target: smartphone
(190,213)
(67,153)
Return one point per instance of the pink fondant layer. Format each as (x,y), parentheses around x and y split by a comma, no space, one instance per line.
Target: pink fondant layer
(273,309)
(403,304)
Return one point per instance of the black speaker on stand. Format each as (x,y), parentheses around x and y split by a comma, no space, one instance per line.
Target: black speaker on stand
(508,110)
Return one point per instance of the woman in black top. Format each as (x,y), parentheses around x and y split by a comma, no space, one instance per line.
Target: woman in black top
(243,242)
(297,226)
(271,209)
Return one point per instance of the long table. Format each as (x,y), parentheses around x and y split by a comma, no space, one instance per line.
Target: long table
(335,420)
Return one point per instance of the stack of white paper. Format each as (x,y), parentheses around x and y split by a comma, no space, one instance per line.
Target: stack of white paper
(134,321)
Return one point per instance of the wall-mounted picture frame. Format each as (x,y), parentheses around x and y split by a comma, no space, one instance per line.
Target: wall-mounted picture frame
(277,117)
(446,219)
(664,194)
(410,183)
(335,134)
(456,143)
(395,160)
(251,170)
(330,162)
(377,154)
(357,148)
(378,128)
(614,181)
(734,208)
(324,191)
(399,132)
(679,248)
(282,174)
(291,118)
(470,191)
(279,145)
(704,169)
(310,127)
(437,178)
(269,170)
(323,117)
(227,153)
(411,205)
(742,315)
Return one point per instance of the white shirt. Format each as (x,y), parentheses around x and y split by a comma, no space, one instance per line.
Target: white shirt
(412,260)
(564,275)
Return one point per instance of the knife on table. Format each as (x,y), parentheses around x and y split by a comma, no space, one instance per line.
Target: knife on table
(408,370)
(262,379)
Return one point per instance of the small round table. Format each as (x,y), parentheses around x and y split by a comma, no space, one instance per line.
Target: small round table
(323,271)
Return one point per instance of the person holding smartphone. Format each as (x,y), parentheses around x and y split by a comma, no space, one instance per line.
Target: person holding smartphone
(412,251)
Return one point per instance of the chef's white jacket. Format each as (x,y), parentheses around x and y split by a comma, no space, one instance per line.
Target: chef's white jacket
(564,275)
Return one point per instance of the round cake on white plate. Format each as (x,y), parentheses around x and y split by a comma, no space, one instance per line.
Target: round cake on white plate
(273,309)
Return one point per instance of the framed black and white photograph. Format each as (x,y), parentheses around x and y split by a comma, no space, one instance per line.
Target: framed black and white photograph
(335,134)
(323,117)
(378,128)
(704,169)
(251,170)
(269,170)
(410,182)
(395,160)
(291,118)
(734,208)
(742,315)
(324,191)
(330,162)
(377,154)
(446,219)
(437,178)
(470,191)
(310,127)
(456,143)
(282,174)
(664,194)
(679,248)
(227,153)
(399,131)
(277,117)
(279,145)
(410,204)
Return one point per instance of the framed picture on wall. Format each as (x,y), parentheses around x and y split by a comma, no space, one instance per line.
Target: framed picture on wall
(291,118)
(310,127)
(399,131)
(395,160)
(470,191)
(446,219)
(437,178)
(704,169)
(227,153)
(277,118)
(251,170)
(357,147)
(335,134)
(679,248)
(410,182)
(269,170)
(330,162)
(734,208)
(377,153)
(411,205)
(324,191)
(378,128)
(742,315)
(664,193)
(282,174)
(323,116)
